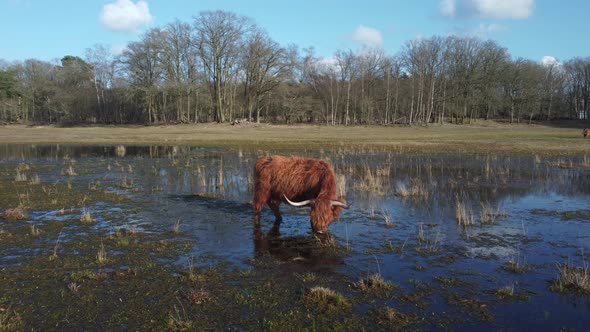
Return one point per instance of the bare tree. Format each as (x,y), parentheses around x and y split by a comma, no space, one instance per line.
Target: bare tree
(219,38)
(266,65)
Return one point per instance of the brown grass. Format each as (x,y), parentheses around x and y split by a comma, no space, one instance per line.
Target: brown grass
(572,278)
(17,213)
(326,298)
(463,213)
(483,136)
(375,284)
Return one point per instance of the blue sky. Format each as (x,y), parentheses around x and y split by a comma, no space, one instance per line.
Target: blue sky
(533,29)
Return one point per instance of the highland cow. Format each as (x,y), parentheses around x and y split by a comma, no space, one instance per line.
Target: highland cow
(299,182)
(586,132)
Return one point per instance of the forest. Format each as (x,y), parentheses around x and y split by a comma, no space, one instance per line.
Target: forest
(222,67)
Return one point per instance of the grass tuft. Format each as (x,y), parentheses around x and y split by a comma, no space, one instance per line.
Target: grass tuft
(326,299)
(10,320)
(489,215)
(387,218)
(463,213)
(572,278)
(17,213)
(69,171)
(86,218)
(394,319)
(176,227)
(73,287)
(198,296)
(375,284)
(516,266)
(34,230)
(101,256)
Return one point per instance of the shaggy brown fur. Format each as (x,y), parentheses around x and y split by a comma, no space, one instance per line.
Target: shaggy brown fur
(586,133)
(299,179)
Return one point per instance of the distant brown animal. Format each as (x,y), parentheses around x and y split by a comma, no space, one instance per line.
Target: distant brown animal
(299,182)
(586,132)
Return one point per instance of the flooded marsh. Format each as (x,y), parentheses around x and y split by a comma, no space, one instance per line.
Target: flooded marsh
(162,238)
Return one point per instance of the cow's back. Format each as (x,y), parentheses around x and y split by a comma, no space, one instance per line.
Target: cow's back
(296,177)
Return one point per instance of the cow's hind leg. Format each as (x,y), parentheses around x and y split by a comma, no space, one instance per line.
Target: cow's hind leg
(258,204)
(274,206)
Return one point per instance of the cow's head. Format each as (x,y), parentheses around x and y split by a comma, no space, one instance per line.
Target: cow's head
(323,212)
(586,133)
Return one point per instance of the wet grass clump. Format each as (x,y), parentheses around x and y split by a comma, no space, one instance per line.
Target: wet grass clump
(508,293)
(391,318)
(451,282)
(325,299)
(86,218)
(572,278)
(375,284)
(471,306)
(515,266)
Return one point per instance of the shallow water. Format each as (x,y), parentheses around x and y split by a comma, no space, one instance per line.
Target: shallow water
(540,206)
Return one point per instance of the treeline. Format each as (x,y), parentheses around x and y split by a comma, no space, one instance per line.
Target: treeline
(222,67)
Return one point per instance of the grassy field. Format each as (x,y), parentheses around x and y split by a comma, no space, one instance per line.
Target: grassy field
(485,136)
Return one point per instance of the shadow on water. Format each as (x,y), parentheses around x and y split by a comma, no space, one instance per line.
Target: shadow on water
(431,223)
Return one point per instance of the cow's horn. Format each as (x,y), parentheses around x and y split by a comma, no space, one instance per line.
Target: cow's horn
(302,203)
(340,204)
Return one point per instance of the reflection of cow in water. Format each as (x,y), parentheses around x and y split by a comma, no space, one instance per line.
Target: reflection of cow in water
(315,252)
(305,181)
(586,132)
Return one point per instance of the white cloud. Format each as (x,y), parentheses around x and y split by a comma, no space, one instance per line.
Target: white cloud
(447,8)
(367,36)
(548,61)
(125,15)
(500,9)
